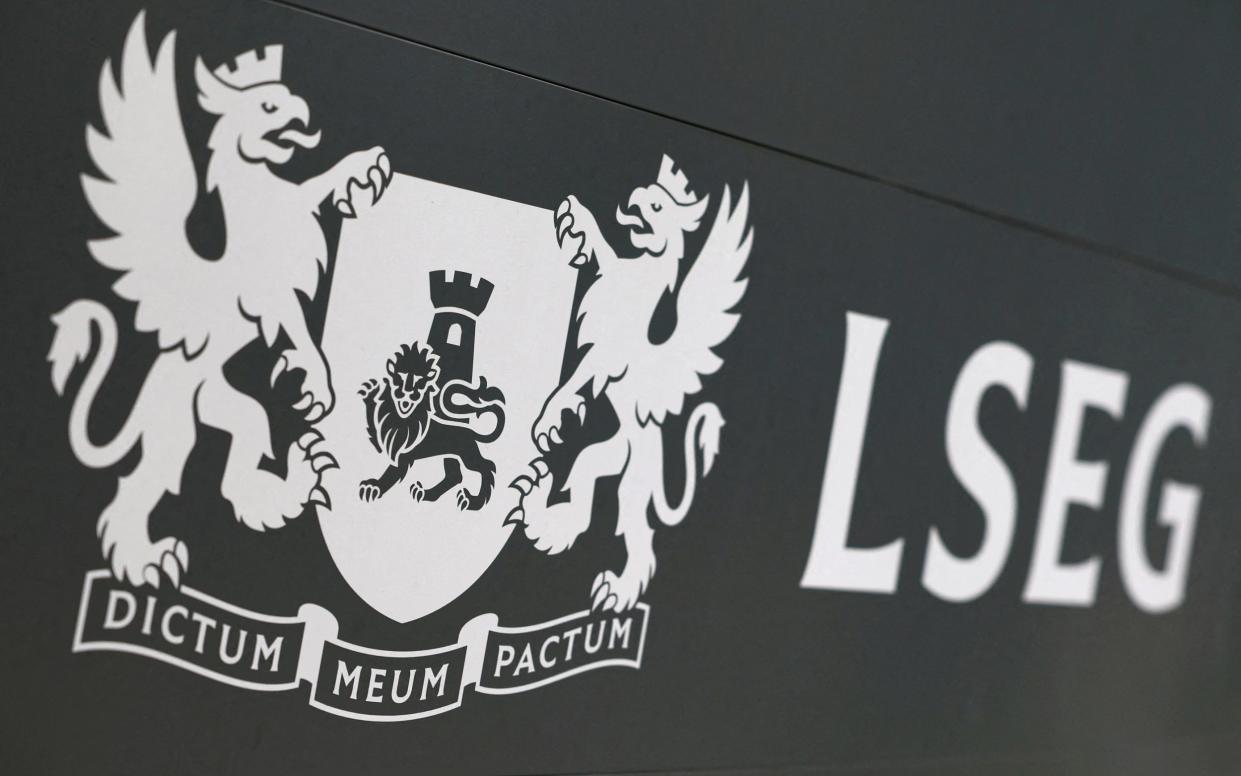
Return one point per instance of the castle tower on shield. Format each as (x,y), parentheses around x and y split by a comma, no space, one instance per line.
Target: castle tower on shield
(459,299)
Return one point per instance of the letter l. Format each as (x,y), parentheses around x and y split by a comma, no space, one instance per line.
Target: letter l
(832,565)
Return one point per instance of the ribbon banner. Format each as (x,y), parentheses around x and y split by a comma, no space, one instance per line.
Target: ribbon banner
(229,644)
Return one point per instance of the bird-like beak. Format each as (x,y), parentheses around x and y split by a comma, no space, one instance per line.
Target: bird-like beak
(634,219)
(298,137)
(296,131)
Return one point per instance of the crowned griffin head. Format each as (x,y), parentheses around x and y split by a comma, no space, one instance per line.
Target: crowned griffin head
(660,215)
(259,116)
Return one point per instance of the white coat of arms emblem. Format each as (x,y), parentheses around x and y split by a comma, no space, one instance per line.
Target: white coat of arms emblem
(432,404)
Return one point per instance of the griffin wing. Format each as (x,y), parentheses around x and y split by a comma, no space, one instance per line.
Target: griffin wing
(147,189)
(705,317)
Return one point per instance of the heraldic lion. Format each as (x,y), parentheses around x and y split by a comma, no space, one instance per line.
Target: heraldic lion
(409,416)
(203,312)
(645,382)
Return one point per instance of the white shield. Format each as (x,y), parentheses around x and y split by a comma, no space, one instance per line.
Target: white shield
(403,557)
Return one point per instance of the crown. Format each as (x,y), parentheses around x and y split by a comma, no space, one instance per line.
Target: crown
(260,66)
(675,183)
(459,290)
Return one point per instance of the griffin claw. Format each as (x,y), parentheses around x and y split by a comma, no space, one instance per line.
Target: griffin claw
(540,467)
(303,402)
(377,184)
(282,364)
(308,439)
(542,443)
(601,596)
(522,484)
(317,410)
(151,576)
(345,209)
(322,462)
(554,435)
(385,164)
(173,571)
(319,496)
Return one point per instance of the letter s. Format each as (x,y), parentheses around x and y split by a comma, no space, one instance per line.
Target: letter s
(981,471)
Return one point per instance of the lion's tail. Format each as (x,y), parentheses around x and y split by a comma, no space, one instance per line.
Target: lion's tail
(70,346)
(701,432)
(463,404)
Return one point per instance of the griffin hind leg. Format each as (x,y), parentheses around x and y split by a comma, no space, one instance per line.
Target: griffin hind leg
(260,498)
(125,536)
(554,528)
(619,592)
(123,526)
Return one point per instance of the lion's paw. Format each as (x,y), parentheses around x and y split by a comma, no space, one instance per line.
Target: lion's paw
(368,490)
(417,492)
(145,562)
(616,593)
(470,502)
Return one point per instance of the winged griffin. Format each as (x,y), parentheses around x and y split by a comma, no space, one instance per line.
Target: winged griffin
(645,383)
(203,312)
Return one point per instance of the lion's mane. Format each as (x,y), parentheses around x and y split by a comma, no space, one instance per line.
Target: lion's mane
(397,435)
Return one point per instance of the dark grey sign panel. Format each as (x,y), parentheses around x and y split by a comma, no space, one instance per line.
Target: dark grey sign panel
(376,410)
(1104,126)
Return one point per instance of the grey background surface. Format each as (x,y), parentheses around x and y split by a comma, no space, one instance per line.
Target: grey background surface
(1062,176)
(1119,123)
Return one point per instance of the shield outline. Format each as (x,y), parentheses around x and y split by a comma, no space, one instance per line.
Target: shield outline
(406,559)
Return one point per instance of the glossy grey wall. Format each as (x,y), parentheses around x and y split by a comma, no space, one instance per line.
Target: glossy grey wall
(1114,124)
(1062,177)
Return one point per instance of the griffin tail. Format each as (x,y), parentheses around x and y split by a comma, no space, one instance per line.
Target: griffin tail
(703,432)
(70,347)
